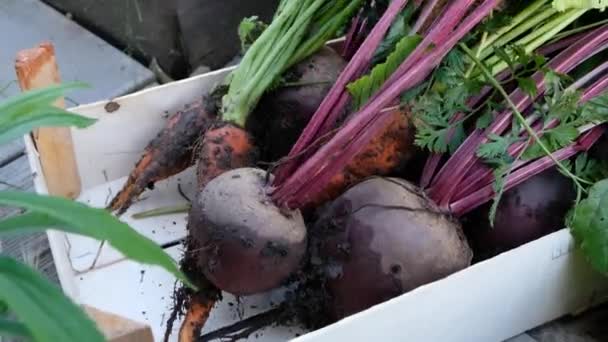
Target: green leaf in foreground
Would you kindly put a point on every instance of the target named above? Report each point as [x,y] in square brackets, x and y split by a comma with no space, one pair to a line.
[13,328]
[588,222]
[32,109]
[77,218]
[42,307]
[366,86]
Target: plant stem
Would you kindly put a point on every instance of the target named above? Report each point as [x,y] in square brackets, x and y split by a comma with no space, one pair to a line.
[337,98]
[478,52]
[518,19]
[457,167]
[470,202]
[518,30]
[578,30]
[299,29]
[488,74]
[537,38]
[313,175]
[183,208]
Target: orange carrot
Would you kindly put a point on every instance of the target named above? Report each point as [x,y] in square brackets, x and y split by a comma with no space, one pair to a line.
[387,153]
[169,153]
[196,317]
[224,147]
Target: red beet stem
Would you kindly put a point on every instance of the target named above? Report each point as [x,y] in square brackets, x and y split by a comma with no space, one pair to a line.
[519,176]
[425,14]
[451,175]
[481,174]
[338,96]
[470,198]
[352,36]
[560,44]
[315,173]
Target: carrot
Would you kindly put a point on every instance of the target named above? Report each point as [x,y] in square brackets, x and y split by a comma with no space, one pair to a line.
[169,153]
[195,319]
[197,305]
[385,154]
[224,147]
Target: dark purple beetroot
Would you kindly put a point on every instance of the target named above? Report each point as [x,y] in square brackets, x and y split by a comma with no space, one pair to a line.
[247,245]
[600,148]
[282,114]
[525,213]
[382,238]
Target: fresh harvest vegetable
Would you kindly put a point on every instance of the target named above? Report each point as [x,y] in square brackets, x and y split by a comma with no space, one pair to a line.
[299,29]
[386,154]
[495,113]
[251,247]
[169,153]
[381,239]
[224,147]
[531,210]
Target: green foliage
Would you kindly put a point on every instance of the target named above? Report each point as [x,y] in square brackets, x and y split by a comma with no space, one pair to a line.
[365,87]
[42,308]
[436,129]
[553,139]
[13,328]
[496,149]
[588,222]
[500,172]
[565,106]
[300,29]
[484,120]
[32,109]
[589,169]
[77,218]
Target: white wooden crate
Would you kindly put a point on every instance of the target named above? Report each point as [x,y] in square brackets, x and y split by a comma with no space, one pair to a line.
[490,301]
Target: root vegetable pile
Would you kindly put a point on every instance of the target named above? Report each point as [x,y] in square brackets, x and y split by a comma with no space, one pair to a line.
[301,164]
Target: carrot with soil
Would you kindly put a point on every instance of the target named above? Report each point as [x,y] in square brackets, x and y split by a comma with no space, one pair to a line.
[169,153]
[284,110]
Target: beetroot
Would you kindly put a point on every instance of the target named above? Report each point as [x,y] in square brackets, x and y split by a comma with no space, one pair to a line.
[600,149]
[283,113]
[525,213]
[382,238]
[247,245]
